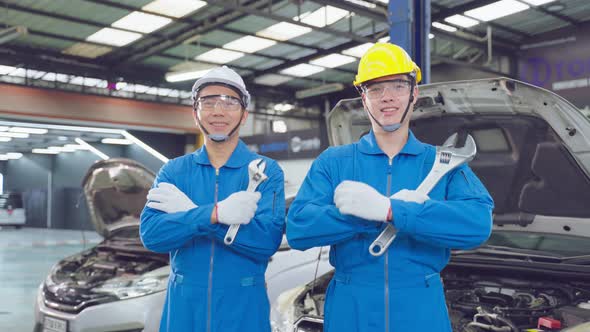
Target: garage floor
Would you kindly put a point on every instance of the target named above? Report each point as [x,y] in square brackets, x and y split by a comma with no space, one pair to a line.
[26,255]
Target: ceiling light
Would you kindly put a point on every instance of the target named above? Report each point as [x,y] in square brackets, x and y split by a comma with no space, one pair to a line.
[279,126]
[496,10]
[44,151]
[4,128]
[462,21]
[75,146]
[113,37]
[185,76]
[174,8]
[91,148]
[324,16]
[249,44]
[302,70]
[219,55]
[537,2]
[87,50]
[39,131]
[444,27]
[5,139]
[430,36]
[359,50]
[14,155]
[118,141]
[283,31]
[2,157]
[333,60]
[141,22]
[14,135]
[272,79]
[283,107]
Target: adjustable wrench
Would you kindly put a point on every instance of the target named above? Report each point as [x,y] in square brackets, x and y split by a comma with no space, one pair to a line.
[256,176]
[448,157]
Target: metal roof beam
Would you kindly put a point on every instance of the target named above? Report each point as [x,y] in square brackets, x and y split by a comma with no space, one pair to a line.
[375,15]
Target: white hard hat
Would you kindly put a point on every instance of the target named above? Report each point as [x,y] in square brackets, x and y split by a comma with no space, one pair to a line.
[223,76]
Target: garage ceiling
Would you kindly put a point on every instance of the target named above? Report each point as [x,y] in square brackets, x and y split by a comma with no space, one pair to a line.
[278,46]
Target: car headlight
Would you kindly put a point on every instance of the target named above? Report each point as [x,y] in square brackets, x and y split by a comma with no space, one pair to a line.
[282,314]
[127,288]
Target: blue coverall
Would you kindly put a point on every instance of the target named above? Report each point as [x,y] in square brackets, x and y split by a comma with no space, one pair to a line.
[214,287]
[400,291]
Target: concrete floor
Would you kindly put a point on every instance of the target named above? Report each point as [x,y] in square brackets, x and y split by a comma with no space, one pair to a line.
[26,255]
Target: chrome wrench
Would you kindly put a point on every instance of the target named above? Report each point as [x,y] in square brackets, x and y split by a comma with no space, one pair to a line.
[448,157]
[256,176]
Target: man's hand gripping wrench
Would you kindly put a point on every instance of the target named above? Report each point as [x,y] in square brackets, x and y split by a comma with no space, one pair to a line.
[448,157]
[256,176]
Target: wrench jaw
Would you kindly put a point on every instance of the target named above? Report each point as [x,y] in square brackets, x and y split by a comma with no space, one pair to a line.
[255,177]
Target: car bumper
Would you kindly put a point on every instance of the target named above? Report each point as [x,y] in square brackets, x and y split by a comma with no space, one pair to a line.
[137,314]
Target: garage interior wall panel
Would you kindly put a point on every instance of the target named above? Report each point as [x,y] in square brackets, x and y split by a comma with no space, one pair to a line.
[51,104]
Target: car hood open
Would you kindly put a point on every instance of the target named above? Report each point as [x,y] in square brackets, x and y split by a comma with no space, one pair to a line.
[533,146]
[116,191]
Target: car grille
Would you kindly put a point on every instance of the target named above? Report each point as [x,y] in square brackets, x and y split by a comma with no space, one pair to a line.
[73,303]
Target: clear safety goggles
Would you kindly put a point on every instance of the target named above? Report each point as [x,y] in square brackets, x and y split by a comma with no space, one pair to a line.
[224,102]
[397,87]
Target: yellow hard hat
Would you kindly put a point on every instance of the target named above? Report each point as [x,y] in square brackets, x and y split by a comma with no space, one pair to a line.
[384,59]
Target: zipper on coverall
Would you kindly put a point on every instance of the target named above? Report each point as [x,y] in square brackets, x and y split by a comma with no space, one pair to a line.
[386,288]
[210,285]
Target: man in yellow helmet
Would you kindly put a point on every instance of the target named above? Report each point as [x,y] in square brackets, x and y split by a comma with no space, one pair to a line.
[345,202]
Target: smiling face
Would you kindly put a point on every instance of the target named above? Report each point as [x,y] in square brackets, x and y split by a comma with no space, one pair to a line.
[218,115]
[387,98]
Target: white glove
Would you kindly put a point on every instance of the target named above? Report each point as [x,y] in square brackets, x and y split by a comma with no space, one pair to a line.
[238,208]
[361,200]
[410,196]
[166,197]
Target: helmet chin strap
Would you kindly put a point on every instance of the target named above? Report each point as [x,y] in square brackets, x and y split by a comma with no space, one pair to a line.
[393,127]
[219,138]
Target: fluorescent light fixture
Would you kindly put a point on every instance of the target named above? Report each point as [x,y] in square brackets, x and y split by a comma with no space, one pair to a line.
[283,107]
[14,155]
[60,149]
[272,79]
[146,147]
[444,27]
[4,70]
[14,135]
[279,126]
[537,2]
[75,147]
[283,31]
[185,76]
[430,36]
[174,8]
[44,151]
[39,131]
[324,16]
[461,21]
[333,60]
[10,33]
[5,139]
[91,148]
[2,157]
[358,51]
[141,22]
[119,141]
[249,44]
[87,50]
[302,70]
[114,37]
[496,10]
[4,128]
[219,55]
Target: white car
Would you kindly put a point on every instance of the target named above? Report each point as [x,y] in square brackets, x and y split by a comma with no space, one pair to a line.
[118,285]
[12,212]
[534,158]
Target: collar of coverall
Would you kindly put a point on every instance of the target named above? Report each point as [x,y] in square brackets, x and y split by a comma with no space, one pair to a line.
[240,157]
[368,145]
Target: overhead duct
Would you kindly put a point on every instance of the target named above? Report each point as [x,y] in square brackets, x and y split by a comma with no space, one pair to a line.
[319,90]
[11,33]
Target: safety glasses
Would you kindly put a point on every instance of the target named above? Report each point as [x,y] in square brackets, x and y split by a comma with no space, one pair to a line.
[224,102]
[397,87]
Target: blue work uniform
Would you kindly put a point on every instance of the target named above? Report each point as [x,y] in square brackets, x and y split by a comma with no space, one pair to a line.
[214,287]
[400,291]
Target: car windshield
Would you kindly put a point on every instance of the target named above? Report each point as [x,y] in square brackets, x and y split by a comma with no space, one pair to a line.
[563,245]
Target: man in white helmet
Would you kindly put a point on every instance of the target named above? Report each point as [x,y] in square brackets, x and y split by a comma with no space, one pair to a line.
[195,198]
